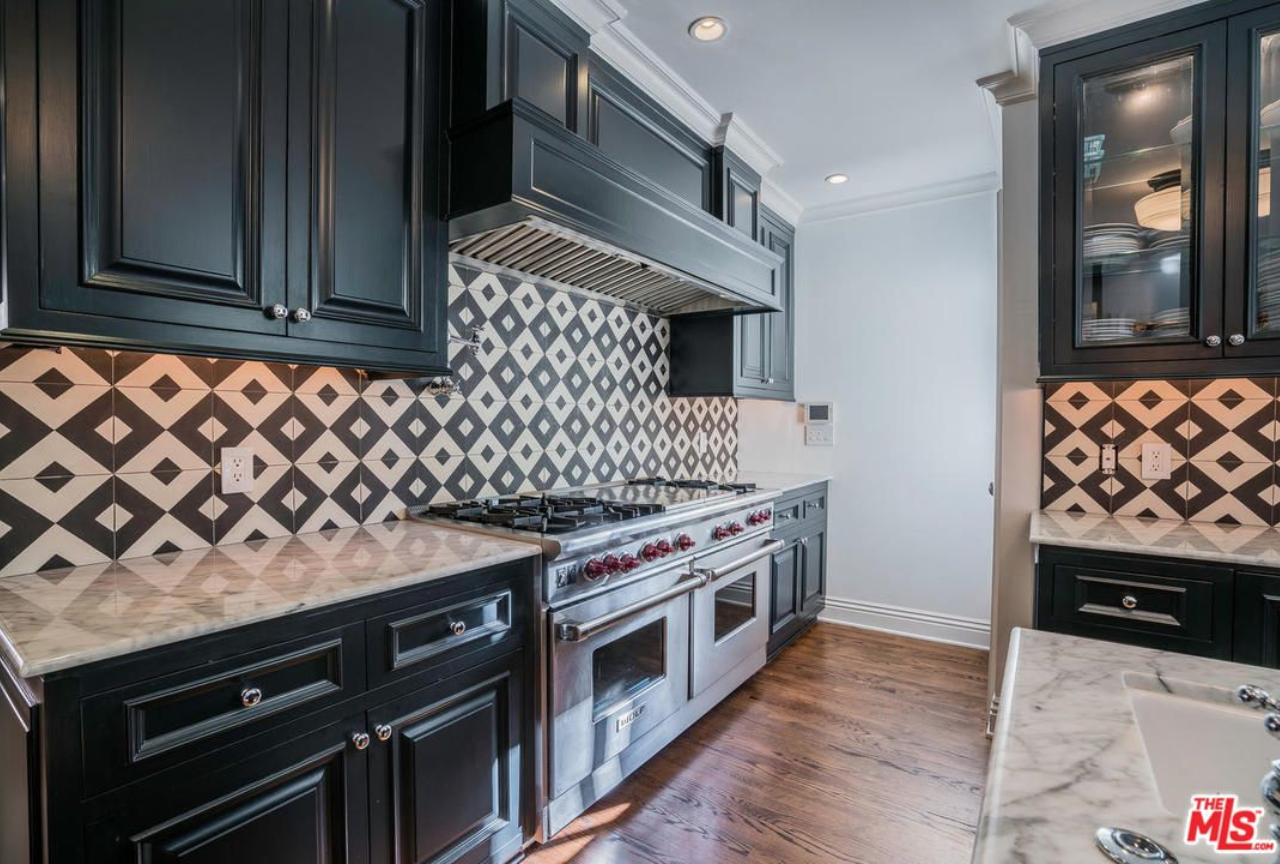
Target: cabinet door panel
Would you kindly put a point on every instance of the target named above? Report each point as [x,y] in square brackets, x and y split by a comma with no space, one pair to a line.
[1134,254]
[167,201]
[446,783]
[303,803]
[781,325]
[1257,619]
[787,567]
[368,260]
[815,572]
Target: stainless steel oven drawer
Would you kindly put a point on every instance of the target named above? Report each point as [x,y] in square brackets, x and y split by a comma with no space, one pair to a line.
[731,614]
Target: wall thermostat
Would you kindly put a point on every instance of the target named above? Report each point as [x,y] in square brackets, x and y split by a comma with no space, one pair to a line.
[819,424]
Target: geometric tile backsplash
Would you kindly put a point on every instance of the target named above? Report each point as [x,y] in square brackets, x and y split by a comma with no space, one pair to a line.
[1222,434]
[110,455]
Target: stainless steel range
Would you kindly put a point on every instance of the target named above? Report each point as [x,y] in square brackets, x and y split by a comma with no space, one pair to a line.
[655,607]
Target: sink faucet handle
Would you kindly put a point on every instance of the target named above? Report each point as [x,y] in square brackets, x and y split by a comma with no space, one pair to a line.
[1255,697]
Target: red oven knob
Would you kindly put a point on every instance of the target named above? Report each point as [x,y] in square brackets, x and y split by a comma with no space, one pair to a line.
[766,515]
[665,548]
[629,563]
[757,518]
[736,528]
[721,532]
[650,552]
[594,569]
[612,564]
[685,542]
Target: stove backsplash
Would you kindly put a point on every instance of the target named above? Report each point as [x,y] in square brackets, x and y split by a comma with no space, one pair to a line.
[1222,433]
[115,455]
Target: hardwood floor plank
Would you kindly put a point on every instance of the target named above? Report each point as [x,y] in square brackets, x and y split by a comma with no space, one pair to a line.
[852,746]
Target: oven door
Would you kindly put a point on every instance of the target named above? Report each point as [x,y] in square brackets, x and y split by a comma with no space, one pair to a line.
[620,666]
[730,615]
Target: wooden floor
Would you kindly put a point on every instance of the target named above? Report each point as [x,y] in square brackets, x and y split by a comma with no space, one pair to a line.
[851,746]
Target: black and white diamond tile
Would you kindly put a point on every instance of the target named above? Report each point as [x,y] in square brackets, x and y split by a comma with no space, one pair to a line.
[115,454]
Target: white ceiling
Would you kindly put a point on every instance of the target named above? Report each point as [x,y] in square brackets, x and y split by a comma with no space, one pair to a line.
[880,90]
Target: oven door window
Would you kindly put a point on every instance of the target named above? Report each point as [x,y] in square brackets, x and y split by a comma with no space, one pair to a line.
[735,606]
[628,666]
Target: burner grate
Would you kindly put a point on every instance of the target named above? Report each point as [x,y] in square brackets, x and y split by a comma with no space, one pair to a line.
[546,514]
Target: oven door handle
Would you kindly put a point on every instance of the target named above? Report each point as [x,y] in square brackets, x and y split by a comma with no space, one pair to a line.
[573,631]
[714,574]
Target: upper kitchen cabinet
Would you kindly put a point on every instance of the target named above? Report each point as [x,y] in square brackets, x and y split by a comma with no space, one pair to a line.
[747,356]
[737,192]
[209,178]
[1159,255]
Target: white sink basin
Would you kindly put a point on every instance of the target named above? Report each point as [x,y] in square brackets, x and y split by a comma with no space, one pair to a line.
[1199,741]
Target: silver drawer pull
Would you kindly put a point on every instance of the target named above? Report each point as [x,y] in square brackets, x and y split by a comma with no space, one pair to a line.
[1129,601]
[250,696]
[360,740]
[457,628]
[383,732]
[711,574]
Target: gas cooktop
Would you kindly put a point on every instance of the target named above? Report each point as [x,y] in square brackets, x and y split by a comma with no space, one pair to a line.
[587,508]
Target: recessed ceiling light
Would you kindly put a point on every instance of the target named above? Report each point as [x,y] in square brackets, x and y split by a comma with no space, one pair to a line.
[837,179]
[708,28]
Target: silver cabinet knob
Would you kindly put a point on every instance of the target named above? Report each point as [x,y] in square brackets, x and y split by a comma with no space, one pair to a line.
[302,316]
[458,627]
[278,311]
[1213,341]
[383,732]
[250,696]
[360,739]
[1236,339]
[1129,601]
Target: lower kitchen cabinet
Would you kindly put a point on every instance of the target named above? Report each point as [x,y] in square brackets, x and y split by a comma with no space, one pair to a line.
[1192,607]
[280,749]
[799,573]
[446,768]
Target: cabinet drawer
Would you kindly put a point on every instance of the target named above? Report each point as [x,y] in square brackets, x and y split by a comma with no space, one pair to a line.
[144,727]
[428,636]
[1156,604]
[815,505]
[788,513]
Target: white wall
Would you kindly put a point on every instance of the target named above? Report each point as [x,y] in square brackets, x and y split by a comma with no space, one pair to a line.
[896,324]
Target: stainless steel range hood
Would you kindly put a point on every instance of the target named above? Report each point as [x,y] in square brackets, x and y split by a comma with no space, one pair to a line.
[529,197]
[571,260]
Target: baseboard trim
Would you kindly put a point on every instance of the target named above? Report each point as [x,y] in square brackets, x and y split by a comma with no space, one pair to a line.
[916,623]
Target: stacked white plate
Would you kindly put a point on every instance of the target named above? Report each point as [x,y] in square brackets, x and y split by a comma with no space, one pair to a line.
[1172,322]
[1170,240]
[1269,290]
[1111,238]
[1107,329]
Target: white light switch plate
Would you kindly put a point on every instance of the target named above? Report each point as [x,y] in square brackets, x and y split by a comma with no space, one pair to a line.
[1156,461]
[819,436]
[237,470]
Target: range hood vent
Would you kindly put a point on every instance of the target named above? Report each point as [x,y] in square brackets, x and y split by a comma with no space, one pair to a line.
[561,256]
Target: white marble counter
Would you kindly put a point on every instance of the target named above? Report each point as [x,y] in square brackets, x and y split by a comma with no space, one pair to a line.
[1205,541]
[779,481]
[1068,757]
[64,618]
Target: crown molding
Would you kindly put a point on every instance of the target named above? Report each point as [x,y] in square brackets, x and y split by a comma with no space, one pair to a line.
[1032,31]
[779,201]
[616,43]
[948,190]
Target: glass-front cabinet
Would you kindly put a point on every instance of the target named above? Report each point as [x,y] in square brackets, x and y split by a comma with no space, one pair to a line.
[1136,228]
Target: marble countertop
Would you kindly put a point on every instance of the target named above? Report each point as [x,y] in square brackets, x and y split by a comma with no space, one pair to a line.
[60,619]
[780,481]
[1068,756]
[1206,541]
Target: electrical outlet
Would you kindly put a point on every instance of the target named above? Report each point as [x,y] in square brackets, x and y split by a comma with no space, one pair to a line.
[700,443]
[237,470]
[1156,461]
[1108,459]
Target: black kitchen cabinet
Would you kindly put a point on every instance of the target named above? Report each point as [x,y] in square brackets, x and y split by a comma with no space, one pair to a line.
[447,784]
[301,740]
[1257,619]
[747,356]
[207,178]
[799,574]
[1159,252]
